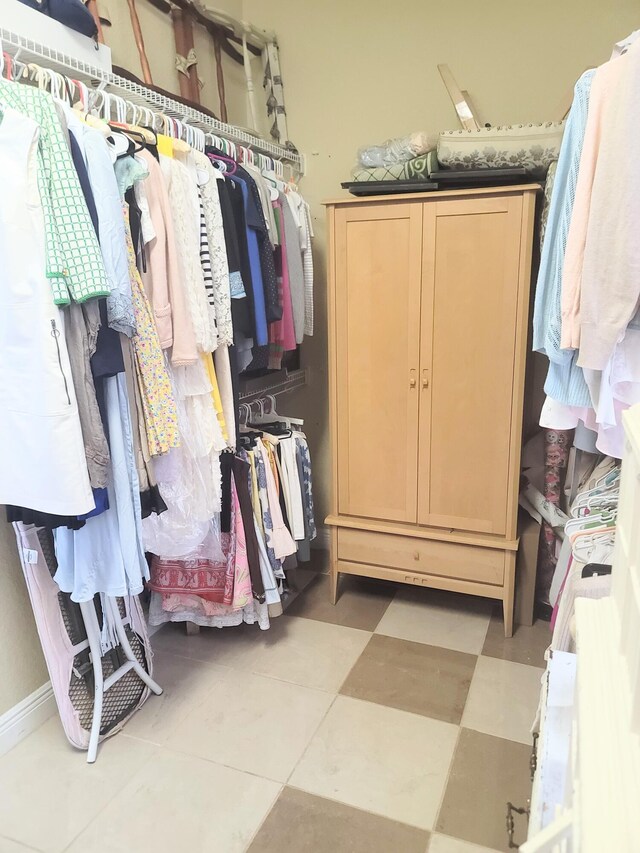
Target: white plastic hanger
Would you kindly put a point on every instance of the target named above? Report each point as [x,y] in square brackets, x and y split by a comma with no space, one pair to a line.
[623,46]
[272,415]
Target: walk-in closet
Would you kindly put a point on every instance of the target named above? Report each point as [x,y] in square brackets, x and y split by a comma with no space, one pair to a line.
[319,427]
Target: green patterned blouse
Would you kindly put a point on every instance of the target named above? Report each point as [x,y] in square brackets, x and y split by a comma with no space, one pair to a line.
[74,262]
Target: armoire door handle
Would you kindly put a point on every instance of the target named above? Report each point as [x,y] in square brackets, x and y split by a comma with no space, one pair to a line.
[425,378]
[412,378]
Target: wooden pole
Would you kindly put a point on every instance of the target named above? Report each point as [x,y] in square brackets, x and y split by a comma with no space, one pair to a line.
[137,32]
[92,6]
[220,75]
[183,34]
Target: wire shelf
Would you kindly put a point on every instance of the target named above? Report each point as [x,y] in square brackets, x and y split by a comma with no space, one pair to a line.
[293,380]
[29,50]
[141,96]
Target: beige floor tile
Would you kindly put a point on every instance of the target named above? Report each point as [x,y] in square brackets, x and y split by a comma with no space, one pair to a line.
[446,844]
[9,846]
[179,803]
[48,794]
[253,723]
[487,772]
[185,683]
[380,759]
[527,645]
[361,604]
[302,823]
[503,699]
[414,677]
[302,651]
[438,618]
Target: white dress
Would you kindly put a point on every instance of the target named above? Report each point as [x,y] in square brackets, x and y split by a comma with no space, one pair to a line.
[42,461]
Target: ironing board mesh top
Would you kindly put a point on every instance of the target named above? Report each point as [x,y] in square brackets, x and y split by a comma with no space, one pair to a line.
[120,700]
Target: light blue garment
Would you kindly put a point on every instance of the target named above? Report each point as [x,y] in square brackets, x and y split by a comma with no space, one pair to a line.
[565,381]
[111,231]
[107,555]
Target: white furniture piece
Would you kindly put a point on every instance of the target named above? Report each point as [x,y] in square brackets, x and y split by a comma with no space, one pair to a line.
[598,810]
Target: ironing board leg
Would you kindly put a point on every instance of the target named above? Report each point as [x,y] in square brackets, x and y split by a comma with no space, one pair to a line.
[139,670]
[93,636]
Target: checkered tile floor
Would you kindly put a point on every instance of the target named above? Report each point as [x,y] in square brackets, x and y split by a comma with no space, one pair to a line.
[395,722]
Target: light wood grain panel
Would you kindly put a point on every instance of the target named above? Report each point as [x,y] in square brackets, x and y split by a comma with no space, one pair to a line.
[441,534]
[475,296]
[447,559]
[520,363]
[377,320]
[386,573]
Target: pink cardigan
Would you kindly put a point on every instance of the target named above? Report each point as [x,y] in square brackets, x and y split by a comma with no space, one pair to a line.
[161,279]
[611,268]
[604,83]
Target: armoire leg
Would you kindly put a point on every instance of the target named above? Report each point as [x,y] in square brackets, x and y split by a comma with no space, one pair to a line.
[334,577]
[508,602]
[192,629]
[334,574]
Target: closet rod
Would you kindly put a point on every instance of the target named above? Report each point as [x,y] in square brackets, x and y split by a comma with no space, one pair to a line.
[28,50]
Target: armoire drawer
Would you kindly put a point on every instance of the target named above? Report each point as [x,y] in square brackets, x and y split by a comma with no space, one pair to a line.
[446,559]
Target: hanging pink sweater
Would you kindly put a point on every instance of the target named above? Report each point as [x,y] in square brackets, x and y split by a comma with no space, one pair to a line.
[605,90]
[161,279]
[611,269]
[282,332]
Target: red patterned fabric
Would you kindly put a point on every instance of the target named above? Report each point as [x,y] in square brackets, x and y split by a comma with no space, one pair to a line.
[557,444]
[210,580]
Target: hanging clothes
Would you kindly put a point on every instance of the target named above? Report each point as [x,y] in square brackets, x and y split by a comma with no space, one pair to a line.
[42,461]
[131,430]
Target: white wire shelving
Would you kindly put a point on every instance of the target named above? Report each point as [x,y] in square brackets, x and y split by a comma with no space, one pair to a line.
[28,50]
[255,389]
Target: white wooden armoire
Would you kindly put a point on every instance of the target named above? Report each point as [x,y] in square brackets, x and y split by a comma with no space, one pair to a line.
[428,307]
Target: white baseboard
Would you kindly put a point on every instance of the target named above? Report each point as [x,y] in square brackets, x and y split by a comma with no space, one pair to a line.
[25,717]
[321,542]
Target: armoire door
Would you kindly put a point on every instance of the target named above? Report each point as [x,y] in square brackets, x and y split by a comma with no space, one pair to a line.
[471,260]
[378,253]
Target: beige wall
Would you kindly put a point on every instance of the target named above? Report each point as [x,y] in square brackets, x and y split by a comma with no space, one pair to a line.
[358,72]
[22,667]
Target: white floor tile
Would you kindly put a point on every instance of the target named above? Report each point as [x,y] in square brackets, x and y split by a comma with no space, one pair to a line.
[446,844]
[302,651]
[503,699]
[253,723]
[179,803]
[9,846]
[185,683]
[48,794]
[380,759]
[438,619]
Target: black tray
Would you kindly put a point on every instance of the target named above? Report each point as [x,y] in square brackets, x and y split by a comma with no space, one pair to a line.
[361,188]
[481,177]
[442,179]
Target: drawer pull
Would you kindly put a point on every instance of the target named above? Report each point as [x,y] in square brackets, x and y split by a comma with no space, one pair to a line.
[533,761]
[416,555]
